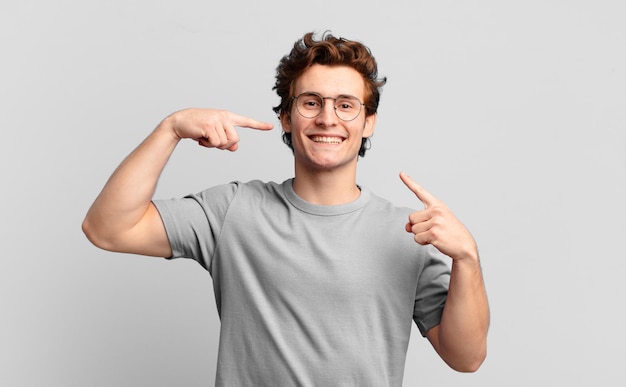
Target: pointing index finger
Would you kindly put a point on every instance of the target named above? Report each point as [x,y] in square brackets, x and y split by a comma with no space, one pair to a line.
[423,195]
[246,122]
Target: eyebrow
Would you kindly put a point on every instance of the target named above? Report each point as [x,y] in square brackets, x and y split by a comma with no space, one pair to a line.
[328,96]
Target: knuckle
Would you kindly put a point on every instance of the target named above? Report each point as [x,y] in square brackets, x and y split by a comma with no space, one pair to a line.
[438,210]
[421,240]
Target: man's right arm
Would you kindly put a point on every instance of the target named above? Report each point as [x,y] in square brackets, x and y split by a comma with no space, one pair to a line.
[123,218]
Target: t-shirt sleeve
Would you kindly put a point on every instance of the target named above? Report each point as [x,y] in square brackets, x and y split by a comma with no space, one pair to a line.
[193,223]
[432,290]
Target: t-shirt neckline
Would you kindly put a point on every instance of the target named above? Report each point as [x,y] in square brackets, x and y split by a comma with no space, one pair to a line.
[316,209]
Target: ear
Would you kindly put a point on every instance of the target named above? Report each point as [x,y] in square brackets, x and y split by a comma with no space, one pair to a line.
[370,123]
[285,122]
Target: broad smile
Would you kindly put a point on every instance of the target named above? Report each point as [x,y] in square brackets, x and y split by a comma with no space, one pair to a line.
[326,139]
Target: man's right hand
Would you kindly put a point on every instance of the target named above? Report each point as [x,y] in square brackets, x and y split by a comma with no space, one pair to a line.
[123,217]
[211,128]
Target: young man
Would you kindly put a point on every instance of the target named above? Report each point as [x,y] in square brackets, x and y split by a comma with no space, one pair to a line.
[316,279]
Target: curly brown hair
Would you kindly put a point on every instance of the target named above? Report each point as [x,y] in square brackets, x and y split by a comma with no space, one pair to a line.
[332,51]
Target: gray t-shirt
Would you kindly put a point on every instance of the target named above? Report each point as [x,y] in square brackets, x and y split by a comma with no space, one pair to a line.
[308,295]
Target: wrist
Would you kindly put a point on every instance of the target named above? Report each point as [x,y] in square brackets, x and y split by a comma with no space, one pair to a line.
[167,127]
[468,255]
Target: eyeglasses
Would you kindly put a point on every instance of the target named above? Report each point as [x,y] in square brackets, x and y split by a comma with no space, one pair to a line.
[310,105]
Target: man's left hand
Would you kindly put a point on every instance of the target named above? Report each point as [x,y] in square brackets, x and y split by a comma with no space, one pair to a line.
[436,225]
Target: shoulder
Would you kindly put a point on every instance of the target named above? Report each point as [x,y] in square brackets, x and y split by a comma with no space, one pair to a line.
[254,196]
[386,208]
[257,188]
[239,188]
[258,185]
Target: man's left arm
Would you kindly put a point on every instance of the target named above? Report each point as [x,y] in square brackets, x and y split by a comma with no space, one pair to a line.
[461,336]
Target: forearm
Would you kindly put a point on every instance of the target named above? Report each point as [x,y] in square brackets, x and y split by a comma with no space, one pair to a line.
[462,333]
[127,194]
[461,336]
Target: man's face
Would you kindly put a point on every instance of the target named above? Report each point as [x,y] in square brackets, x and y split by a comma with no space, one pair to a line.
[325,142]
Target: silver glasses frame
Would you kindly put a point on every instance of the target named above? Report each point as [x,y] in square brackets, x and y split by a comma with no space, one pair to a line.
[323,99]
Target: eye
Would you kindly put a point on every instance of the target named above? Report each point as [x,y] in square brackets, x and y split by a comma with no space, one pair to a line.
[346,103]
[310,101]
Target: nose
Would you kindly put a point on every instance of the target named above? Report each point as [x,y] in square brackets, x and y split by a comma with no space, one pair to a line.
[327,116]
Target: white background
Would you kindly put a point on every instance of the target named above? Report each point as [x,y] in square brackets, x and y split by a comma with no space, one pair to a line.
[513,113]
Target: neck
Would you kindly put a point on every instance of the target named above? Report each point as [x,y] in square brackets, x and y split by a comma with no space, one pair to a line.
[326,188]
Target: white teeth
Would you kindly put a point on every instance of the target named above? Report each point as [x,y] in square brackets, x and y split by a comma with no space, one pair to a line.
[327,140]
